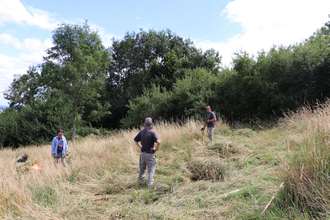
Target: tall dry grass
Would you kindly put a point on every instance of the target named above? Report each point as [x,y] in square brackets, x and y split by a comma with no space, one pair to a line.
[307,180]
[96,167]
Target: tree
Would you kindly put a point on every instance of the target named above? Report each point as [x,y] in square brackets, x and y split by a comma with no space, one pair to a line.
[146,58]
[36,122]
[76,65]
[24,89]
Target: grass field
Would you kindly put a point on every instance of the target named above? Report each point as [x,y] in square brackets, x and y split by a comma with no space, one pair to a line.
[234,177]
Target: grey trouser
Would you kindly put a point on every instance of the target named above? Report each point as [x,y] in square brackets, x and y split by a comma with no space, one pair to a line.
[150,161]
[210,131]
[57,157]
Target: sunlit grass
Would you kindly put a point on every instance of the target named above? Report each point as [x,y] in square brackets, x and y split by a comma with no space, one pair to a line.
[232,177]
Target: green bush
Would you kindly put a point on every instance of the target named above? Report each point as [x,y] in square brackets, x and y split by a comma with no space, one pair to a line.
[36,123]
[188,98]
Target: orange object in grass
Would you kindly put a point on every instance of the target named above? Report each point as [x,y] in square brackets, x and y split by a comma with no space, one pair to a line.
[36,167]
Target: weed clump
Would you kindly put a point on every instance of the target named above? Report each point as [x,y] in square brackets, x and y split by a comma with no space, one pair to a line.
[225,148]
[202,169]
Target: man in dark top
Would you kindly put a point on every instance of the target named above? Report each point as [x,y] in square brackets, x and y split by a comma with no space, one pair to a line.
[147,158]
[23,159]
[210,119]
[59,147]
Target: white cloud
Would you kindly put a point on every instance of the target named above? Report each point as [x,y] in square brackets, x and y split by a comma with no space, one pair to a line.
[33,52]
[31,44]
[11,66]
[268,23]
[105,36]
[14,11]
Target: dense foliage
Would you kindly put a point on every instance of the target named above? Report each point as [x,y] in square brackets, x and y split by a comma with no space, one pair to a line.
[36,122]
[147,58]
[275,81]
[157,74]
[188,97]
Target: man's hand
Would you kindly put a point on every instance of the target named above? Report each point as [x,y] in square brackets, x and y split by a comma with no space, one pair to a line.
[212,120]
[54,155]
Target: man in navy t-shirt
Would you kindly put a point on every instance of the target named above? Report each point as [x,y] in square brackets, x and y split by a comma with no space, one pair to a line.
[147,158]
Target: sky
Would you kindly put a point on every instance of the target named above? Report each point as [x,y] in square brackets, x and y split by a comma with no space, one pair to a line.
[227,26]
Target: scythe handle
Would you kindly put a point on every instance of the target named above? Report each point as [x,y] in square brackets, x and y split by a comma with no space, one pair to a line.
[66,155]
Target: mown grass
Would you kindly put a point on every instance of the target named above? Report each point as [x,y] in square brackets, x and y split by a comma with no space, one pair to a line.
[233,177]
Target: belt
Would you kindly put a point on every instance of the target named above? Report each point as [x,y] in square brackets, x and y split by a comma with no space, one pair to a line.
[147,152]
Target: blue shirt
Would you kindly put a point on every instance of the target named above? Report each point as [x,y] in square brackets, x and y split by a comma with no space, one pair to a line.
[147,138]
[209,117]
[55,146]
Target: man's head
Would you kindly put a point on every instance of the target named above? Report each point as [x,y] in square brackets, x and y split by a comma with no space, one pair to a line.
[24,157]
[208,109]
[148,124]
[59,133]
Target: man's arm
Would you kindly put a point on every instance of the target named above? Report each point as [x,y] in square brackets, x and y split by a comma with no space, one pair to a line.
[53,147]
[212,120]
[157,145]
[137,143]
[65,146]
[137,139]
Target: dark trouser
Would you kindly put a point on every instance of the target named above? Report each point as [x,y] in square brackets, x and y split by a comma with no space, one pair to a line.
[150,161]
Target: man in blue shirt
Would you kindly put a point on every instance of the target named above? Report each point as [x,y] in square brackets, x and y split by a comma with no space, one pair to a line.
[210,120]
[147,158]
[59,147]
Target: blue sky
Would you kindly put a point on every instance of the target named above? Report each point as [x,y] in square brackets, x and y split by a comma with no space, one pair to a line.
[227,26]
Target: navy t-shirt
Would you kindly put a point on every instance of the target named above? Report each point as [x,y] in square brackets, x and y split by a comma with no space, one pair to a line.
[60,146]
[209,117]
[147,138]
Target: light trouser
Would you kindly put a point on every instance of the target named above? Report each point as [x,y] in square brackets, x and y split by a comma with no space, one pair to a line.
[210,131]
[150,161]
[57,157]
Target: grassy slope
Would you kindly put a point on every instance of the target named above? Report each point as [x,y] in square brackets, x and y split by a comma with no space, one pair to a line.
[191,180]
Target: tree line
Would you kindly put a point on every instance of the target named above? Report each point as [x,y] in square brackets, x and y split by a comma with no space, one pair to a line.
[83,87]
